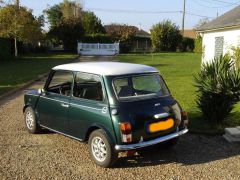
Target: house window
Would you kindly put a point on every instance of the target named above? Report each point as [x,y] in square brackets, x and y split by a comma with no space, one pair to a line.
[219,46]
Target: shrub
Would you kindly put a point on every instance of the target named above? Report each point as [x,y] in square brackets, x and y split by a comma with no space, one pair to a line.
[198,44]
[186,45]
[236,55]
[165,36]
[218,87]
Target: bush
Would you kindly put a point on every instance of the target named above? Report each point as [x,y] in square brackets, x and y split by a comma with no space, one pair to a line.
[5,49]
[218,86]
[187,45]
[165,36]
[198,45]
[236,55]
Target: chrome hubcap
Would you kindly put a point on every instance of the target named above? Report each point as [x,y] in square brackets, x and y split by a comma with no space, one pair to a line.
[99,149]
[29,120]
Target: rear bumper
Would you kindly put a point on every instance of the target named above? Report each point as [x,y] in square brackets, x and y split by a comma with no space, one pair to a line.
[151,142]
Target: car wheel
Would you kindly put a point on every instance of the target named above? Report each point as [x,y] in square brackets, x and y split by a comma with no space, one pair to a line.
[101,149]
[30,121]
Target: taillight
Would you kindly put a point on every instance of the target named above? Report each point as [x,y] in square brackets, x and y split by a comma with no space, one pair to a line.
[126,132]
[185,118]
[184,115]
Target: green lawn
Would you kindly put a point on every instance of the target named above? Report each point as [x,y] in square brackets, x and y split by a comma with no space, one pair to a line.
[178,70]
[14,73]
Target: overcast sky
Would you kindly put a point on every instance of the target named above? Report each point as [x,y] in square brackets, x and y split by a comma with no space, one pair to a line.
[144,13]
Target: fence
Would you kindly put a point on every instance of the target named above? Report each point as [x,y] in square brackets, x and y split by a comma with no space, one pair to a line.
[98,49]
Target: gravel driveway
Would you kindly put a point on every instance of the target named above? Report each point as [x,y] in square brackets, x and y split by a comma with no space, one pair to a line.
[49,155]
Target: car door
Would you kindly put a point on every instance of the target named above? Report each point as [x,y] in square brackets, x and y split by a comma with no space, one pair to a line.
[88,105]
[54,102]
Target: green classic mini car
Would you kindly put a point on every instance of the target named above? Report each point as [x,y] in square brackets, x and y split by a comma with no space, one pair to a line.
[113,106]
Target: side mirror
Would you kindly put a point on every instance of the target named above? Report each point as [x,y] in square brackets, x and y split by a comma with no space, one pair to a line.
[42,91]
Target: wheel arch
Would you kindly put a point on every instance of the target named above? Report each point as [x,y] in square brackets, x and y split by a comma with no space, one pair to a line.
[26,106]
[96,127]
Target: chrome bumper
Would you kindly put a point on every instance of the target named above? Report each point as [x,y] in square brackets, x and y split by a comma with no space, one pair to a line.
[151,142]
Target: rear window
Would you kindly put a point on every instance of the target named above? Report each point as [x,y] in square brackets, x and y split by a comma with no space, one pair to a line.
[140,86]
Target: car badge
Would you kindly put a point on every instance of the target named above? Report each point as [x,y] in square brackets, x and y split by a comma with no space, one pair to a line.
[104,110]
[157,104]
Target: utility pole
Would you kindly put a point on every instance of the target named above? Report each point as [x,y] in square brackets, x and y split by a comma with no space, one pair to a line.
[17,4]
[183,18]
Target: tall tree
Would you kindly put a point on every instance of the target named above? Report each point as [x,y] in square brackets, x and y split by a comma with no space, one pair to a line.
[19,24]
[92,24]
[71,10]
[66,10]
[54,15]
[68,32]
[66,23]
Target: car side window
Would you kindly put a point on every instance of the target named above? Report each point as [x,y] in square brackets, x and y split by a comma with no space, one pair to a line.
[61,83]
[88,86]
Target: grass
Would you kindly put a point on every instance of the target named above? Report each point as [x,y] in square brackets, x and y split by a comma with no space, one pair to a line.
[14,73]
[178,70]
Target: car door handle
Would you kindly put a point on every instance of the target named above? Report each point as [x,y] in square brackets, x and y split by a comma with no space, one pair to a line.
[65,105]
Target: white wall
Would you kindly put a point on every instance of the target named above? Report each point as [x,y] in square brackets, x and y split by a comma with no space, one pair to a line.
[231,38]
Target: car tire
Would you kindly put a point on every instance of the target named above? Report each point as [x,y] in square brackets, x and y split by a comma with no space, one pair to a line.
[31,124]
[101,149]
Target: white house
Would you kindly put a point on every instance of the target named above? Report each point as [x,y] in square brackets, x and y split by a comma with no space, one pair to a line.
[220,35]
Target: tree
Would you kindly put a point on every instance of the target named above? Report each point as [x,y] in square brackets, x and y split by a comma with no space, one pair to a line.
[92,24]
[165,36]
[69,23]
[20,24]
[71,10]
[68,32]
[123,34]
[54,15]
[66,10]
[66,24]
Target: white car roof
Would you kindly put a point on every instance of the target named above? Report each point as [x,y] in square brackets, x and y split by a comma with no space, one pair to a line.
[107,68]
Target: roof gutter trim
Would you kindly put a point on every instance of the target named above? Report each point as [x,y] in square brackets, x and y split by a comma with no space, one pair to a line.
[217,29]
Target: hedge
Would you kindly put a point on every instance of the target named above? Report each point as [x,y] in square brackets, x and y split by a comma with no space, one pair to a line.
[5,49]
